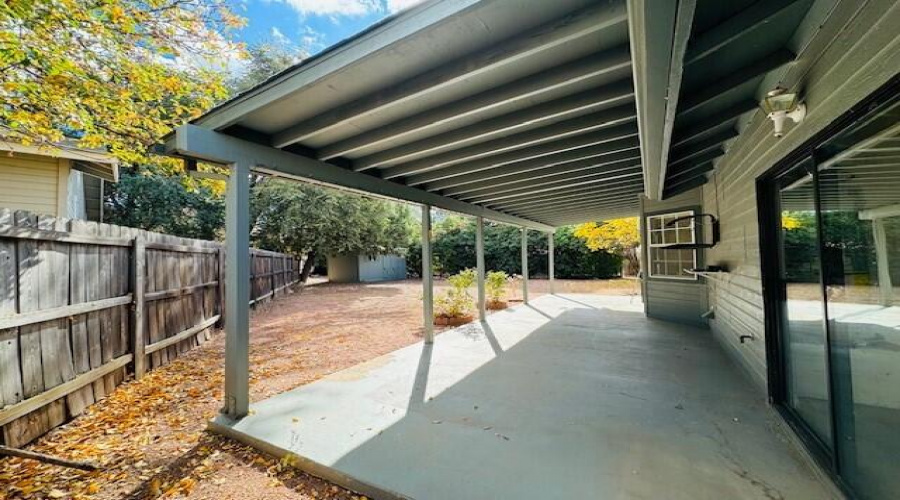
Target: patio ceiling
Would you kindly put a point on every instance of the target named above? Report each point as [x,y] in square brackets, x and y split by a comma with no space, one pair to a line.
[516,110]
[706,65]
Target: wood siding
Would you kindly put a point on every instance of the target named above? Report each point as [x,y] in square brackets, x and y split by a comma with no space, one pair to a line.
[30,182]
[841,61]
[681,301]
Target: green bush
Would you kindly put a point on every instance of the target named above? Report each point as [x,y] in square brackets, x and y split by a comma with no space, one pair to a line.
[456,301]
[453,249]
[495,285]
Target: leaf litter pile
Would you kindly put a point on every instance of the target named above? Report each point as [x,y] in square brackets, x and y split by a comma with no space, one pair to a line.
[149,436]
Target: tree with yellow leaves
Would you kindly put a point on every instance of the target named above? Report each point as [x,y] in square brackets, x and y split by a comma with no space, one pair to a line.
[113,74]
[617,236]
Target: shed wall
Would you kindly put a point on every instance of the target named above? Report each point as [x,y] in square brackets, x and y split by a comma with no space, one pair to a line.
[381,268]
[343,269]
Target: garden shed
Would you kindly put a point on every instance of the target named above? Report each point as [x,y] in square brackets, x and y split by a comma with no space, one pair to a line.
[365,268]
[741,133]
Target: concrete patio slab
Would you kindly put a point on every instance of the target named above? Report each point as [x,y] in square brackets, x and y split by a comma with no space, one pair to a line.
[571,397]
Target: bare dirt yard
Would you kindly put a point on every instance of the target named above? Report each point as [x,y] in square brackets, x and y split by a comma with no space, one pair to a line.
[149,436]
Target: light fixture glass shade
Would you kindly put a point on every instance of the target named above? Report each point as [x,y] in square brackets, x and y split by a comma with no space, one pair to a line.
[777,100]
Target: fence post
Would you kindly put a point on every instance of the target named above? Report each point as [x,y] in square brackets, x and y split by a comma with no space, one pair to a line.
[220,277]
[272,273]
[140,271]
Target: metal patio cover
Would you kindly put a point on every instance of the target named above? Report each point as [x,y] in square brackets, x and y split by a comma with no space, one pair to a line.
[522,111]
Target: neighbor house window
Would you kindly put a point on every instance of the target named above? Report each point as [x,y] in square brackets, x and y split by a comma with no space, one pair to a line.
[665,231]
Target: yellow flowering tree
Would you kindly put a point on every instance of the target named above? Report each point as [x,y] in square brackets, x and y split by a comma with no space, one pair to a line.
[617,236]
[114,74]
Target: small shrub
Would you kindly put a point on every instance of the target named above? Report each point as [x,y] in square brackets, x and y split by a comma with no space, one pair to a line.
[495,286]
[456,302]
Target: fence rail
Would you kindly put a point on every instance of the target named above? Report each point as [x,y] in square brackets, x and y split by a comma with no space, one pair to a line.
[82,305]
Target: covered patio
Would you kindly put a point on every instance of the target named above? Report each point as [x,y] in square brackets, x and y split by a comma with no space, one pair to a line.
[535,114]
[576,396]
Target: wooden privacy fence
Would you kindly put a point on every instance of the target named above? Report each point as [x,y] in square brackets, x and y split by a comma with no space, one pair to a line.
[84,304]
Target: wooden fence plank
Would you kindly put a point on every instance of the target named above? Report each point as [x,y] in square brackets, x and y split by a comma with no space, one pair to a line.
[10,413]
[81,398]
[67,332]
[10,370]
[63,312]
[139,273]
[30,426]
[92,293]
[108,331]
[181,336]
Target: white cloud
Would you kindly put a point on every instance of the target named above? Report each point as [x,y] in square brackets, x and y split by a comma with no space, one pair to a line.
[335,7]
[279,37]
[395,5]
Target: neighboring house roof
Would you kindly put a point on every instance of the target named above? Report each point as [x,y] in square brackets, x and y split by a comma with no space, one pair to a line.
[91,162]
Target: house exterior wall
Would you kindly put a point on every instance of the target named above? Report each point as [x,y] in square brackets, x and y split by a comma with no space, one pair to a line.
[854,52]
[35,183]
[678,300]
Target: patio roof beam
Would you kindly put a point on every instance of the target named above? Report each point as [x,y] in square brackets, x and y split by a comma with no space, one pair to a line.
[587,130]
[703,96]
[550,215]
[612,62]
[618,150]
[600,140]
[711,124]
[624,197]
[570,179]
[658,33]
[732,29]
[543,212]
[616,164]
[589,196]
[685,185]
[585,22]
[581,192]
[632,180]
[191,141]
[692,151]
[605,98]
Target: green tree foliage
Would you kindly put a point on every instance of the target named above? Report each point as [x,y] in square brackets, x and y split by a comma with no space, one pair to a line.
[116,74]
[312,221]
[164,202]
[265,60]
[453,247]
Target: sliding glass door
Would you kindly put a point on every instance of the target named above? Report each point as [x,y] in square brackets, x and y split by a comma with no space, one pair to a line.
[838,259]
[802,306]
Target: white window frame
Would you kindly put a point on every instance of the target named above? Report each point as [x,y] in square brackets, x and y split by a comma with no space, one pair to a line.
[662,245]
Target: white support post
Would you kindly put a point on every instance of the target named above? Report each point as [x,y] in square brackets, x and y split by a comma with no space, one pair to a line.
[479,264]
[881,259]
[525,265]
[237,298]
[551,250]
[427,277]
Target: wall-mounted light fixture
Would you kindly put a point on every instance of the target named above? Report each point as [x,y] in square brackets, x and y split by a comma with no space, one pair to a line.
[781,105]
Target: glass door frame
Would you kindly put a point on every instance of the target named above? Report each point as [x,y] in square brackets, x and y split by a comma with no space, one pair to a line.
[775,297]
[769,216]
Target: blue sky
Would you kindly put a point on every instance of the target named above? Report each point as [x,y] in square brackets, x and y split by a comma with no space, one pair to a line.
[310,25]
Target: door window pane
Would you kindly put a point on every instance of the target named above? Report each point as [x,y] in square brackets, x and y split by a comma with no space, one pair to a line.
[860,204]
[803,309]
